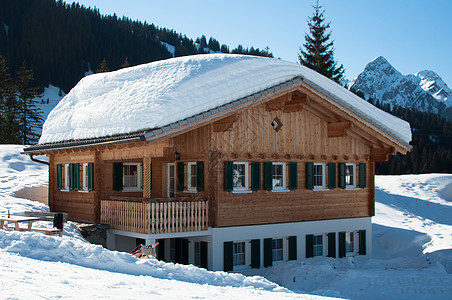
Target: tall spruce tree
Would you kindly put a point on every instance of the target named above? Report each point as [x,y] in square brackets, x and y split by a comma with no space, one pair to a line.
[29,114]
[9,125]
[319,50]
[103,67]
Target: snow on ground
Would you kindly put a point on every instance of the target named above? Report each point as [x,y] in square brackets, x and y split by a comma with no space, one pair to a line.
[412,254]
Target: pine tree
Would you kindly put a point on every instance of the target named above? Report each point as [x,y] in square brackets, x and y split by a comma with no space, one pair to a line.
[319,51]
[9,125]
[103,67]
[29,114]
[125,64]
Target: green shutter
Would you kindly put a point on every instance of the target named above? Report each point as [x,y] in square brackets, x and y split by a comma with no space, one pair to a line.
[268,182]
[203,254]
[292,247]
[293,175]
[180,176]
[341,244]
[71,176]
[228,263]
[362,242]
[342,175]
[59,178]
[90,176]
[332,244]
[76,170]
[117,176]
[255,254]
[309,245]
[228,185]
[331,176]
[362,175]
[199,176]
[268,258]
[310,175]
[255,176]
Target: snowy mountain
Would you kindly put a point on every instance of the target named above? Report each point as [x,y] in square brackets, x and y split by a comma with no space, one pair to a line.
[424,91]
[435,86]
[411,253]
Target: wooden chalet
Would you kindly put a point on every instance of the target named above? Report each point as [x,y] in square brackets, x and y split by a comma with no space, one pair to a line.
[282,173]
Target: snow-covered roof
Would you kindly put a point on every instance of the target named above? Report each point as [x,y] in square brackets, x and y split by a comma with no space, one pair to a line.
[160,93]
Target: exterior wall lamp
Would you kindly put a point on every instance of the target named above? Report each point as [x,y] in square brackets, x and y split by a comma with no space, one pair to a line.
[177,155]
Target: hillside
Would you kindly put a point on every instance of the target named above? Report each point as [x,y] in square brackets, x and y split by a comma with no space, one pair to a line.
[411,254]
[62,42]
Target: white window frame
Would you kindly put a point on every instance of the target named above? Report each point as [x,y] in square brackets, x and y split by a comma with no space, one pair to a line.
[191,188]
[237,254]
[350,241]
[279,250]
[66,177]
[136,188]
[85,177]
[245,188]
[353,176]
[284,180]
[317,248]
[323,186]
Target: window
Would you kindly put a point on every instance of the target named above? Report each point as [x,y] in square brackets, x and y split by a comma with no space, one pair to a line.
[66,177]
[131,176]
[350,175]
[277,249]
[278,176]
[240,176]
[319,176]
[349,241]
[239,254]
[87,170]
[317,244]
[198,254]
[192,177]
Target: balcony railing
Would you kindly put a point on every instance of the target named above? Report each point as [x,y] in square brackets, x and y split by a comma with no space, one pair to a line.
[155,215]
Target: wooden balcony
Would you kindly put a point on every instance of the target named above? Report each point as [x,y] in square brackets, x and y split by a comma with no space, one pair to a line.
[155,215]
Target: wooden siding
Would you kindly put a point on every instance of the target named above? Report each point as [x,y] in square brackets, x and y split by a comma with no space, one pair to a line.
[311,131]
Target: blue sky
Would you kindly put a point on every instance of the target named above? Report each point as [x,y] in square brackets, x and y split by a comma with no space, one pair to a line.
[413,35]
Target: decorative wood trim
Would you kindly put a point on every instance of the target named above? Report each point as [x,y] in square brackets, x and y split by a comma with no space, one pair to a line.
[381,154]
[224,124]
[338,129]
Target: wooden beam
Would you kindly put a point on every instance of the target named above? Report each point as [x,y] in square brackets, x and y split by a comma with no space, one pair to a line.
[381,154]
[338,129]
[295,102]
[224,124]
[277,103]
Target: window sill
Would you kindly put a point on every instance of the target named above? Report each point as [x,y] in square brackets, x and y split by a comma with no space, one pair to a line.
[320,189]
[242,191]
[65,190]
[351,188]
[190,191]
[240,268]
[131,190]
[84,191]
[280,190]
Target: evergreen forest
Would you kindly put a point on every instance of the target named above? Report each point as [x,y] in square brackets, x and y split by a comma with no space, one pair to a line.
[61,42]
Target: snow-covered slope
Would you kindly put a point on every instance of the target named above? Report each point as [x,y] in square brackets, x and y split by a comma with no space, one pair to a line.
[425,91]
[412,254]
[162,92]
[48,100]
